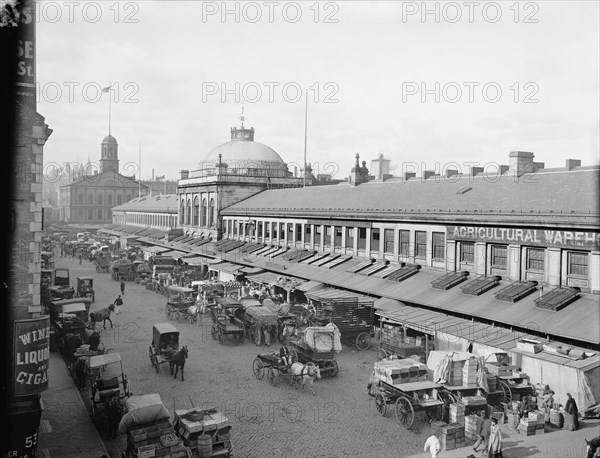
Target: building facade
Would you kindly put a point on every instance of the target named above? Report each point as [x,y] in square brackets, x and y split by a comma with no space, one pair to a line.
[154,212]
[90,200]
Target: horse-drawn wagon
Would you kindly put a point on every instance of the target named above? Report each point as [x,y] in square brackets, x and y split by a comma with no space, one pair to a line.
[276,369]
[256,319]
[108,384]
[352,314]
[165,341]
[102,262]
[507,383]
[121,269]
[226,320]
[68,318]
[318,345]
[181,304]
[85,288]
[404,383]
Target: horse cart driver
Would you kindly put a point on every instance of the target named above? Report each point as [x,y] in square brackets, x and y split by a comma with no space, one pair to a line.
[284,354]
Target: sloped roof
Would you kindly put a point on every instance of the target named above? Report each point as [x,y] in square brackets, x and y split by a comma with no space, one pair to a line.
[163,203]
[533,197]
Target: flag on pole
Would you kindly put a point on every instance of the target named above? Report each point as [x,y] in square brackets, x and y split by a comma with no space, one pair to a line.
[106,89]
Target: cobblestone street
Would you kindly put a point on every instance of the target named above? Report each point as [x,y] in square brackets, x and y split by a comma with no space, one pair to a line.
[267,421]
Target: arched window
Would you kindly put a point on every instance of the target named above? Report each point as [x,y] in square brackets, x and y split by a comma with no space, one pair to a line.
[182,212]
[90,213]
[100,214]
[128,198]
[80,199]
[109,199]
[211,213]
[119,199]
[203,213]
[196,210]
[100,199]
[188,212]
[90,200]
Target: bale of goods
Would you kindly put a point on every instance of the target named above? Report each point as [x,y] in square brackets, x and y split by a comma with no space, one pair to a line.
[457,413]
[472,401]
[399,371]
[527,427]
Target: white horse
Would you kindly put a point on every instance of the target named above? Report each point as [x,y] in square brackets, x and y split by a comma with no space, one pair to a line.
[305,374]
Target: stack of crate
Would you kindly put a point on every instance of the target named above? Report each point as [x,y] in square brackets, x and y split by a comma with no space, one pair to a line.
[527,426]
[556,418]
[455,375]
[213,426]
[475,401]
[157,439]
[469,374]
[393,335]
[399,371]
[437,425]
[540,418]
[471,427]
[452,436]
[457,413]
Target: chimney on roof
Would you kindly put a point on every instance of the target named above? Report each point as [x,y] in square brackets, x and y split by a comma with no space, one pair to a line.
[409,175]
[185,174]
[476,171]
[520,162]
[451,173]
[572,163]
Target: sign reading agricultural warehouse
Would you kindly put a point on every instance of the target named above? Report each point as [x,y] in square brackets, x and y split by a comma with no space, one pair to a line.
[537,237]
[32,353]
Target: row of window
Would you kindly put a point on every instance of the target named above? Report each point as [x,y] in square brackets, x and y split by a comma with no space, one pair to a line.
[100,199]
[199,214]
[147,220]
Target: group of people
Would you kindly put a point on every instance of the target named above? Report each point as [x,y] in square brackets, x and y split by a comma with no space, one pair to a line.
[489,438]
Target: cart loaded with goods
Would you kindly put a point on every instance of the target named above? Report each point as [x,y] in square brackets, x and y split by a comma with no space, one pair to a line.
[318,345]
[205,432]
[148,430]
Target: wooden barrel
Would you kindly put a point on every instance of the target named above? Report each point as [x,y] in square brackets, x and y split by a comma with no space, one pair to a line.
[204,446]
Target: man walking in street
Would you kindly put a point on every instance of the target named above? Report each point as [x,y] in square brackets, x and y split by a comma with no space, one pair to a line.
[122,288]
[433,444]
[118,303]
[483,425]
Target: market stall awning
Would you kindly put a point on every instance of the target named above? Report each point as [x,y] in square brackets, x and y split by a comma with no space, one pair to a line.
[265,277]
[310,286]
[225,267]
[195,260]
[334,293]
[156,249]
[174,254]
[251,270]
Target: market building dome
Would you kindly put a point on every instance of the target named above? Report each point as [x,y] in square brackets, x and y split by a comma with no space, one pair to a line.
[109,139]
[243,152]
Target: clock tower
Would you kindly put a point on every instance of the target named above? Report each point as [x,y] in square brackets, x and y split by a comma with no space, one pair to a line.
[109,158]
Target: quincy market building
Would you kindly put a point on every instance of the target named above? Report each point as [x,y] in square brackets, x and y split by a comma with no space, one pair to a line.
[461,259]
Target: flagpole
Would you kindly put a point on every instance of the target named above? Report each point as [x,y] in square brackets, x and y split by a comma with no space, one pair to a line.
[305,130]
[140,170]
[109,109]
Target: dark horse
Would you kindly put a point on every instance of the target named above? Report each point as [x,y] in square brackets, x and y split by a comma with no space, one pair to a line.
[177,360]
[102,315]
[593,446]
[115,411]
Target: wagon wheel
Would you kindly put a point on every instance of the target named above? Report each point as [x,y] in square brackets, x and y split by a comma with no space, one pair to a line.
[363,341]
[156,364]
[334,369]
[405,413]
[272,376]
[382,354]
[258,368]
[507,394]
[380,404]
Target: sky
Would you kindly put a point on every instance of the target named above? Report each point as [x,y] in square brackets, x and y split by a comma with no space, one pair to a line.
[423,83]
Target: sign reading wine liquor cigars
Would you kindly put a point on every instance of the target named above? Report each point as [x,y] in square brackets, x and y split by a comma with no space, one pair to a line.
[32,352]
[535,237]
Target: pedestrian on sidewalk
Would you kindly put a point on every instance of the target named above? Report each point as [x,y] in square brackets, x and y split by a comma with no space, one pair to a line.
[118,303]
[495,440]
[571,414]
[433,444]
[122,288]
